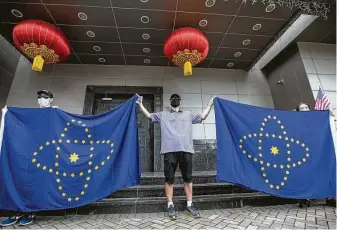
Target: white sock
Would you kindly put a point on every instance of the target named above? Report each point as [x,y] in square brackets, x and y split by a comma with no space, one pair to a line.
[189,203]
[169,203]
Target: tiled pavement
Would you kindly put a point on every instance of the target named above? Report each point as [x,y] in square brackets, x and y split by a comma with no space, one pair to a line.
[275,217]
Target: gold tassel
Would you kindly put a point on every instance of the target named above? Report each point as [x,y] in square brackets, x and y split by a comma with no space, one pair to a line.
[188,68]
[38,63]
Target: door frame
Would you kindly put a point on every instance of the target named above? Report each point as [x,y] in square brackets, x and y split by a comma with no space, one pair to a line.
[157,93]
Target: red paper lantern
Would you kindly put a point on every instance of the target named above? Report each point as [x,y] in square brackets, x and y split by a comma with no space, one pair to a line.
[40,41]
[186,47]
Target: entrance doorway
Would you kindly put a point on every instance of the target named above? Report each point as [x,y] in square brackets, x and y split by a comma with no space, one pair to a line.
[104,103]
[100,99]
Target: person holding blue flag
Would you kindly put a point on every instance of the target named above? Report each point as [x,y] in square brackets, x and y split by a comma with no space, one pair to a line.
[177,147]
[282,153]
[44,99]
[53,160]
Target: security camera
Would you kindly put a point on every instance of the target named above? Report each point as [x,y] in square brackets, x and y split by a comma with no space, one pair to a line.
[280,82]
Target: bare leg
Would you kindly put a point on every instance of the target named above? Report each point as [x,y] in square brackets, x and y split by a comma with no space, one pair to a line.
[188,188]
[169,192]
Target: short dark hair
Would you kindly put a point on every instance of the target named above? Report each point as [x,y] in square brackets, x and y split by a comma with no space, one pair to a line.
[45,92]
[302,103]
[175,96]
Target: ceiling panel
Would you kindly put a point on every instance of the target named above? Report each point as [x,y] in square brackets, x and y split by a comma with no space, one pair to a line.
[244,54]
[102,59]
[130,31]
[245,41]
[80,33]
[244,25]
[70,15]
[143,49]
[212,51]
[97,47]
[266,10]
[220,7]
[22,1]
[144,18]
[321,30]
[102,3]
[72,59]
[214,39]
[137,35]
[215,23]
[6,31]
[150,4]
[204,64]
[223,64]
[143,60]
[28,11]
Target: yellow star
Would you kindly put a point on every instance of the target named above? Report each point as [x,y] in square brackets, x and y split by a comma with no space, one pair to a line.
[73,157]
[274,150]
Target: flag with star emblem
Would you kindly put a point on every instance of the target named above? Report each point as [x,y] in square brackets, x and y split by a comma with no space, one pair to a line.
[283,153]
[51,159]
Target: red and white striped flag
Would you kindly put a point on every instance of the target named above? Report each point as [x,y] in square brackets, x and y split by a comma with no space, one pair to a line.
[322,102]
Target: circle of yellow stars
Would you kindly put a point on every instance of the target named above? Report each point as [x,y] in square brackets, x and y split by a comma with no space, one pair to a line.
[73,158]
[286,168]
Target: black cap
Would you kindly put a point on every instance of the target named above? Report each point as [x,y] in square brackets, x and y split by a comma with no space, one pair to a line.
[175,96]
[45,92]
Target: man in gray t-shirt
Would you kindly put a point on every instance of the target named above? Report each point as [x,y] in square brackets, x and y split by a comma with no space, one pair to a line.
[177,147]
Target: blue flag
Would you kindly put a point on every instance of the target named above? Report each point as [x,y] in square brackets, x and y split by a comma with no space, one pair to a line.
[287,154]
[52,160]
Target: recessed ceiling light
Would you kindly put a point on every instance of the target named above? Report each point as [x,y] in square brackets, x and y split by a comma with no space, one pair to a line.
[147,61]
[146,36]
[90,34]
[271,7]
[82,16]
[210,3]
[102,60]
[230,64]
[16,13]
[145,19]
[146,50]
[144,1]
[257,26]
[237,54]
[203,23]
[97,48]
[246,42]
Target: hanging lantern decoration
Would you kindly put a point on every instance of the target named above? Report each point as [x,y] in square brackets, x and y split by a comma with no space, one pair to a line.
[186,47]
[40,41]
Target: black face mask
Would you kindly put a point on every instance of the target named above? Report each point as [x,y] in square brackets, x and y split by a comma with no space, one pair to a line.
[175,102]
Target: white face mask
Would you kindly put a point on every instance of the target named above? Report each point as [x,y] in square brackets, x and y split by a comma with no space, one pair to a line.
[44,102]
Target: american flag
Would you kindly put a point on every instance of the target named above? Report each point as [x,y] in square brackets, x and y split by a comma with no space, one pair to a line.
[322,102]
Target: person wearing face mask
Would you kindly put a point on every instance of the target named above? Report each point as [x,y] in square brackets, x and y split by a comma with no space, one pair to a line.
[45,98]
[303,107]
[177,147]
[329,201]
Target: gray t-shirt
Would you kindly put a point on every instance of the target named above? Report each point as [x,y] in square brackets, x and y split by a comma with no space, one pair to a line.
[176,130]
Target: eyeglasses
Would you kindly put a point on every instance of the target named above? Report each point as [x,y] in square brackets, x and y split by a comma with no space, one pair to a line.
[45,97]
[175,98]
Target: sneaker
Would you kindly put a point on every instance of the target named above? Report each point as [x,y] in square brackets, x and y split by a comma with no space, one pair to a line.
[172,212]
[11,220]
[27,219]
[191,210]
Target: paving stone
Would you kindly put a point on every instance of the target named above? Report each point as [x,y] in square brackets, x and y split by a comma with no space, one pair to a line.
[275,217]
[299,224]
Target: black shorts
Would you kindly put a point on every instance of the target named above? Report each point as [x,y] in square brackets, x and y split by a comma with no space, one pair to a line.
[171,161]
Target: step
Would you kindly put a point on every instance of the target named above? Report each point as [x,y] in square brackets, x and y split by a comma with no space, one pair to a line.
[157,178]
[202,202]
[159,190]
[159,204]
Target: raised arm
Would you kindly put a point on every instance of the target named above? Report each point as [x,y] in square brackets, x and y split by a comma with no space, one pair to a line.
[208,109]
[143,109]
